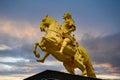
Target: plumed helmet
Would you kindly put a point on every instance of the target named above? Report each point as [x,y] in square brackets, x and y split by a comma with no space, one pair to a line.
[67,15]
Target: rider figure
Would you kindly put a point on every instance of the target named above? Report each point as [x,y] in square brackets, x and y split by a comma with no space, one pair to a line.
[68,26]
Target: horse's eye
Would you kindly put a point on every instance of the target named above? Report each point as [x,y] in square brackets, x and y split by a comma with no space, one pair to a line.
[43,20]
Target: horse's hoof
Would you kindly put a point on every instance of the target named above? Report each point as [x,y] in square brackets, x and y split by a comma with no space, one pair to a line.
[34,51]
[84,73]
[40,61]
[37,55]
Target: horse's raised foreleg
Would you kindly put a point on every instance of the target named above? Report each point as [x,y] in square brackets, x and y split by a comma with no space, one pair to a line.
[34,50]
[44,57]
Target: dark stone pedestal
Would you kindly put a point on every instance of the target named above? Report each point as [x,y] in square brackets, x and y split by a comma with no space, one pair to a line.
[56,75]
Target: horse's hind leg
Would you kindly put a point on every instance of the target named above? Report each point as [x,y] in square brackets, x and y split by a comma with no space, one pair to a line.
[83,72]
[69,68]
[89,69]
[81,66]
[34,50]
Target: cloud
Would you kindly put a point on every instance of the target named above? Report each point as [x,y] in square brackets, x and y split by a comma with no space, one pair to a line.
[13,60]
[4,47]
[108,77]
[52,63]
[19,59]
[17,37]
[16,45]
[105,68]
[19,29]
[10,78]
[104,52]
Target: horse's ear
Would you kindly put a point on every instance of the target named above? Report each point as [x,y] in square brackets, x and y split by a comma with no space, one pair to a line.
[46,15]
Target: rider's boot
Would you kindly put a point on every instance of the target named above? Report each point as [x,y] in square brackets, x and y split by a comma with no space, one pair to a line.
[65,41]
[61,50]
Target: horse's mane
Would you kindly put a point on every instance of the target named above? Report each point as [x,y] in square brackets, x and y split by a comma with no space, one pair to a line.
[47,21]
[51,19]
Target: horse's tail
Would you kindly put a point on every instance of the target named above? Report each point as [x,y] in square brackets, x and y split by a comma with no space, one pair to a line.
[87,62]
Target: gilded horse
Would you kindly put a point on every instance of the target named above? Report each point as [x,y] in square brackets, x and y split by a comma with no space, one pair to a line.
[73,56]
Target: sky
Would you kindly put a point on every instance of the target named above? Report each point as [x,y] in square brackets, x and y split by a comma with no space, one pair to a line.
[97,29]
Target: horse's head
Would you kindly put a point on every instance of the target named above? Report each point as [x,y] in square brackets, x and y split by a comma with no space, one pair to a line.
[46,22]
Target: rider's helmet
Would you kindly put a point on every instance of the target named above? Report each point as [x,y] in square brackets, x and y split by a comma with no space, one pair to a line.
[66,15]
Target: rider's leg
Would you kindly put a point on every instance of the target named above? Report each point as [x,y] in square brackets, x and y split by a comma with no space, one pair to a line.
[65,41]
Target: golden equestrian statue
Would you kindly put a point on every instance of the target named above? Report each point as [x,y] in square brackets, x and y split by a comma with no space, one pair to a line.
[60,43]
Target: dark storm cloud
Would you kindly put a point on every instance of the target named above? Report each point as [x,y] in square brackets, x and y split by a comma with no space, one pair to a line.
[29,67]
[21,48]
[104,49]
